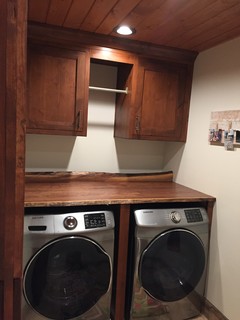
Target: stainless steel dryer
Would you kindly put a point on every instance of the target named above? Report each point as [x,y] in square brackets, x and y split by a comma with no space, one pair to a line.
[171,247]
[68,262]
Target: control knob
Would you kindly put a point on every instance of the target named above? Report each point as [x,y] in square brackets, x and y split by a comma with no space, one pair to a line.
[175,216]
[70,223]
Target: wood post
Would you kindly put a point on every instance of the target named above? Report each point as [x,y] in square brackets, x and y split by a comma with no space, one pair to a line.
[13,17]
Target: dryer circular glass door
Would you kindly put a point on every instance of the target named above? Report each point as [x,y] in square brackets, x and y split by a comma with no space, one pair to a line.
[172,265]
[66,277]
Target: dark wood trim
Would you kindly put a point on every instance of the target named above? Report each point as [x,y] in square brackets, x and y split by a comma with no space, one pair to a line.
[13,28]
[46,34]
[1,299]
[17,289]
[124,219]
[3,75]
[210,206]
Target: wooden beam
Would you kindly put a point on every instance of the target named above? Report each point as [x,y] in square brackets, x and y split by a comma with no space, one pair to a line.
[45,34]
[124,220]
[13,16]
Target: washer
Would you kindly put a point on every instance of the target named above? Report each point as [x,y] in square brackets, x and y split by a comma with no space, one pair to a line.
[68,264]
[171,248]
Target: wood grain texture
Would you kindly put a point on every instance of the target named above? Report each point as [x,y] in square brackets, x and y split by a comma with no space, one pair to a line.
[162,105]
[76,39]
[155,108]
[67,189]
[13,16]
[192,25]
[121,265]
[57,91]
[68,176]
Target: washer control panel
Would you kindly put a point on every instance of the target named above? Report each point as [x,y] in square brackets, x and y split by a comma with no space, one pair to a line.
[69,222]
[94,220]
[193,215]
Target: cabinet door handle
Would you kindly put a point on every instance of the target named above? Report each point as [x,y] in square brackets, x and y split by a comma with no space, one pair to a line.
[137,124]
[78,119]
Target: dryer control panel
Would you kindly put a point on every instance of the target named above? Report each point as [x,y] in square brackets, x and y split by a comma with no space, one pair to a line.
[171,217]
[193,215]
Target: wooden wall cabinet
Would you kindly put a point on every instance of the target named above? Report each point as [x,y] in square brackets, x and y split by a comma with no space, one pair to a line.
[57,91]
[157,105]
[155,108]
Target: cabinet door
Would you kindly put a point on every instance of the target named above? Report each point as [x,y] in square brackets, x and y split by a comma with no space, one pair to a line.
[124,122]
[57,91]
[164,91]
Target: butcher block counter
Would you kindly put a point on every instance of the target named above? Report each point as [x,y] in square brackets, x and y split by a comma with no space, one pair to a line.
[123,191]
[83,188]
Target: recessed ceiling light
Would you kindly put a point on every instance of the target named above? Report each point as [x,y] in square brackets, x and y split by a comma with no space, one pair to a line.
[124,30]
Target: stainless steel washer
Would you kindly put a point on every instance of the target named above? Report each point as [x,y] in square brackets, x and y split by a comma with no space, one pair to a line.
[68,264]
[171,247]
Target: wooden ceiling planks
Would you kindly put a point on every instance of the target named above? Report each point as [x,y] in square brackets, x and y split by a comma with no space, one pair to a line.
[141,13]
[211,21]
[192,25]
[57,11]
[221,38]
[182,21]
[37,10]
[165,15]
[117,15]
[97,14]
[77,13]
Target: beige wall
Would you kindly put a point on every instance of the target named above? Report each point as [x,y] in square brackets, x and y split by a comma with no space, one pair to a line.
[213,170]
[99,151]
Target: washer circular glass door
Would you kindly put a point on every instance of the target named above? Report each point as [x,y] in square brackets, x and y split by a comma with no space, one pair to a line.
[172,265]
[66,277]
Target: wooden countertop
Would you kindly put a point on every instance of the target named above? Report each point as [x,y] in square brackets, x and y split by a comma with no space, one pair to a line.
[84,188]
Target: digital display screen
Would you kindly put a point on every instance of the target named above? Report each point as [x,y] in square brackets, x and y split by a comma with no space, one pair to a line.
[94,220]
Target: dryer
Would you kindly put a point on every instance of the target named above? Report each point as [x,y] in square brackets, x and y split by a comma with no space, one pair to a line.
[171,248]
[68,265]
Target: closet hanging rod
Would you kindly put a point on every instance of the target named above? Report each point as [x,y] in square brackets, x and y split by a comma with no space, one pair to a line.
[109,90]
